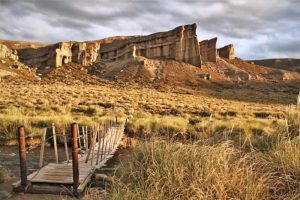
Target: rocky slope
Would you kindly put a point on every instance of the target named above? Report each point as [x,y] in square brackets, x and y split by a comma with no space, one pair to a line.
[283,63]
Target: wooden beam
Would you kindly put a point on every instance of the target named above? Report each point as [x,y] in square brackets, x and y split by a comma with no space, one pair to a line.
[55,144]
[22,156]
[75,165]
[42,148]
[66,146]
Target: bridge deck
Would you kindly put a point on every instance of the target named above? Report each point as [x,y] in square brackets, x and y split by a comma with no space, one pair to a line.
[62,173]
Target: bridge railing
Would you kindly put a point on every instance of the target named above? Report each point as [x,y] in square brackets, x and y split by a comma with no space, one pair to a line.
[90,145]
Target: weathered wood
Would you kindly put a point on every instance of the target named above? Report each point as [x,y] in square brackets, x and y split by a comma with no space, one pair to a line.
[75,165]
[84,183]
[103,140]
[90,149]
[47,179]
[84,138]
[60,174]
[79,138]
[93,145]
[55,144]
[66,146]
[42,148]
[50,189]
[99,143]
[115,137]
[87,137]
[22,156]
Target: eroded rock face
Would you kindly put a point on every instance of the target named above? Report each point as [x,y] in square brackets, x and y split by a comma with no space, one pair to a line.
[208,50]
[179,44]
[6,52]
[58,54]
[227,52]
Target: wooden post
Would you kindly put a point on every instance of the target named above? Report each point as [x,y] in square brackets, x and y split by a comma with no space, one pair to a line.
[75,164]
[87,138]
[79,139]
[93,145]
[90,149]
[99,143]
[66,146]
[43,148]
[55,144]
[84,137]
[103,138]
[110,139]
[115,136]
[111,136]
[22,155]
[106,138]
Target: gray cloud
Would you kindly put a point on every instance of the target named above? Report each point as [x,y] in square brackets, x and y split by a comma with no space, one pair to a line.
[268,28]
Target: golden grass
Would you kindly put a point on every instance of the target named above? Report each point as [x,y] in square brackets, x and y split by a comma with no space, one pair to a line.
[235,147]
[161,169]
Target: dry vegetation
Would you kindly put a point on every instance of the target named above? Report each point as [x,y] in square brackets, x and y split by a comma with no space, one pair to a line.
[212,169]
[38,104]
[193,143]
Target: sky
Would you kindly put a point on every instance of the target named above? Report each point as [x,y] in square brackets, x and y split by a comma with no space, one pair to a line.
[258,28]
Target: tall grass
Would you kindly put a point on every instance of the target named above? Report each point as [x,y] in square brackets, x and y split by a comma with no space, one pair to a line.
[34,120]
[162,170]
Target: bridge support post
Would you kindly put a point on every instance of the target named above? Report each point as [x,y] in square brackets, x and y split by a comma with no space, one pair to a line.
[75,158]
[22,155]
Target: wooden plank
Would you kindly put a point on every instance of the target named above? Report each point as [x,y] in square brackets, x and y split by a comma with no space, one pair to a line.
[66,146]
[55,144]
[84,138]
[93,145]
[42,148]
[99,143]
[50,189]
[79,138]
[62,173]
[82,186]
[87,137]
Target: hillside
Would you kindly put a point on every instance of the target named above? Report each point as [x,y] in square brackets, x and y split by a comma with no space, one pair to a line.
[22,44]
[290,64]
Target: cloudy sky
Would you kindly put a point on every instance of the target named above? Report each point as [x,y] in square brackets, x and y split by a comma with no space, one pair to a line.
[258,28]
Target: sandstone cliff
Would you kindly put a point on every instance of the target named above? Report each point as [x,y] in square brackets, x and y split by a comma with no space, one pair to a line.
[208,50]
[179,44]
[227,52]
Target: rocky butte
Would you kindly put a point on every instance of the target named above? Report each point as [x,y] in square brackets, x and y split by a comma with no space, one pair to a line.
[227,52]
[180,44]
[208,50]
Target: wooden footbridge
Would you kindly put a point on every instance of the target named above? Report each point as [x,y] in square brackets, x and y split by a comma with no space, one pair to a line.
[91,149]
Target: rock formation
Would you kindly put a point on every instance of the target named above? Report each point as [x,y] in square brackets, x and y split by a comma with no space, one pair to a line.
[5,52]
[58,54]
[179,44]
[208,50]
[227,52]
